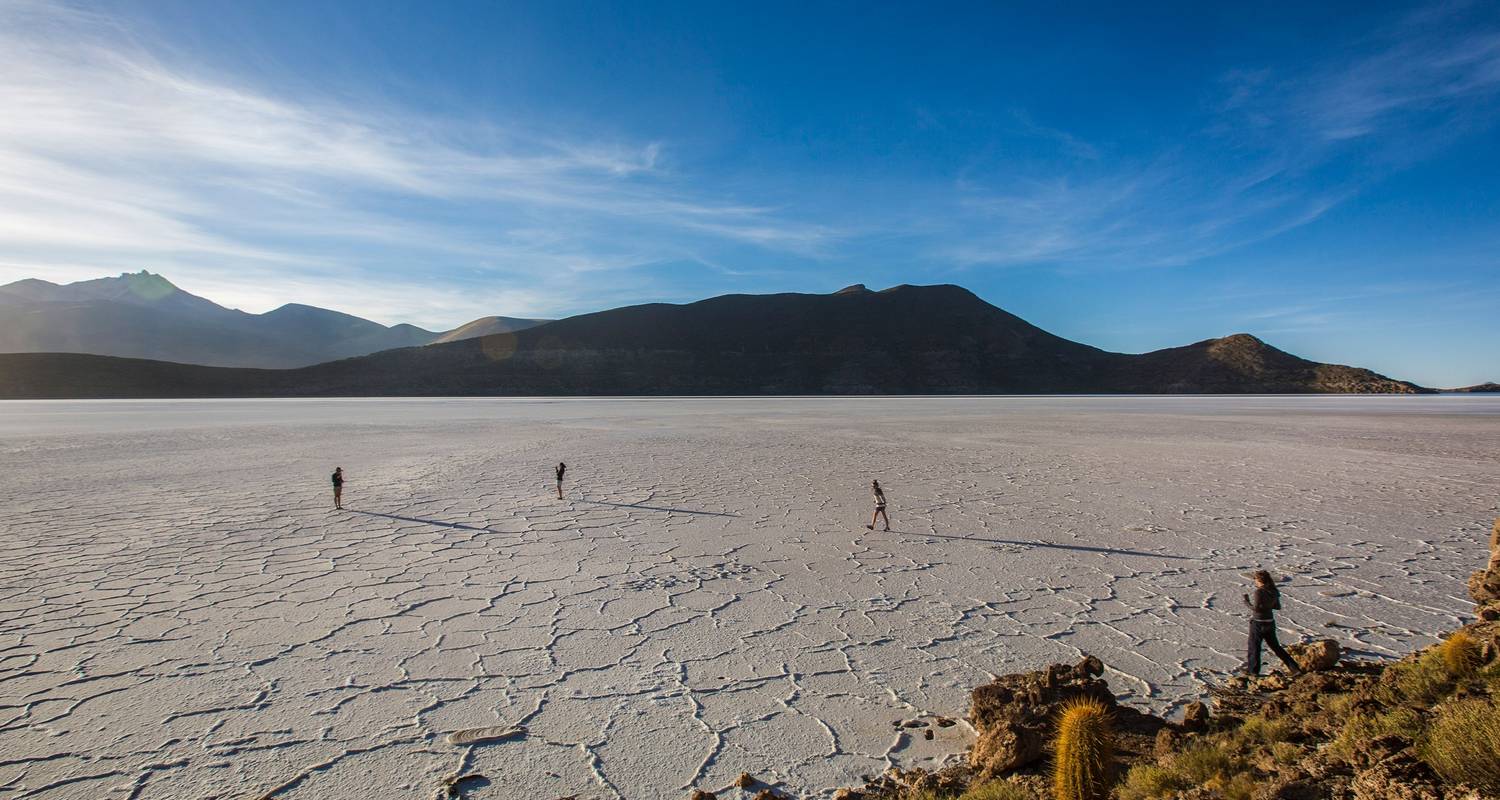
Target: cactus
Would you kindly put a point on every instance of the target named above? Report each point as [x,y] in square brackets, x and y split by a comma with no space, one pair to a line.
[1460,654]
[1084,752]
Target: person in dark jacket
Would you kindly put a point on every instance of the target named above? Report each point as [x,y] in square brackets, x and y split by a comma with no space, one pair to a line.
[560,469]
[1263,605]
[338,488]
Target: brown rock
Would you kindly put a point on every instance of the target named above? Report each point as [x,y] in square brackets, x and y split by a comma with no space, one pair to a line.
[1398,778]
[1005,746]
[944,722]
[1165,744]
[1489,612]
[927,734]
[1274,682]
[699,794]
[1484,586]
[848,794]
[1089,667]
[1195,716]
[1013,713]
[765,794]
[744,781]
[1369,752]
[1316,656]
[1291,789]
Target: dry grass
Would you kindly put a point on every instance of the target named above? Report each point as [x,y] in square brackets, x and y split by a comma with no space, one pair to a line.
[1363,727]
[1209,764]
[1150,782]
[1421,682]
[1286,753]
[1259,730]
[1460,653]
[1463,743]
[997,790]
[926,794]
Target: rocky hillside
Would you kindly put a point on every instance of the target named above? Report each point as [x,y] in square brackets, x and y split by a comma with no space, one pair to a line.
[1243,363]
[143,315]
[903,340]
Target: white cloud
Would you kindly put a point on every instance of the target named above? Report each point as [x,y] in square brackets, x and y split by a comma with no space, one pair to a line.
[112,154]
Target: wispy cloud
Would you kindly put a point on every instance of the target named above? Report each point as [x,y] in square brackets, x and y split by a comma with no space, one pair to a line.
[1162,214]
[1279,149]
[114,154]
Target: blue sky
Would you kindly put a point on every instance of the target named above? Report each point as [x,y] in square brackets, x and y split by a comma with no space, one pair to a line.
[1132,177]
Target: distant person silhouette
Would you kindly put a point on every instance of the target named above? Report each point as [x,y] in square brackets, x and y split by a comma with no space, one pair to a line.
[560,469]
[1263,605]
[879,506]
[338,488]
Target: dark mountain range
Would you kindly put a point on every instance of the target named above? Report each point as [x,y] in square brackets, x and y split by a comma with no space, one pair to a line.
[145,316]
[1483,388]
[904,340]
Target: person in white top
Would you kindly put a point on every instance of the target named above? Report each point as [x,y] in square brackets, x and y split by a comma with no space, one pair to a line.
[879,507]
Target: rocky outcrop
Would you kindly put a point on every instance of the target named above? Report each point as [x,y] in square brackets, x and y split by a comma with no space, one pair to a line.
[1013,714]
[1484,585]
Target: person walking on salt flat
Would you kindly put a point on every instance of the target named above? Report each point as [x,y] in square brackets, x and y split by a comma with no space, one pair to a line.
[879,506]
[560,469]
[338,488]
[1263,606]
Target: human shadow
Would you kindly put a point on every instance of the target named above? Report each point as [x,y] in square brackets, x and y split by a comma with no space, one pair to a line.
[424,521]
[660,508]
[459,786]
[1022,543]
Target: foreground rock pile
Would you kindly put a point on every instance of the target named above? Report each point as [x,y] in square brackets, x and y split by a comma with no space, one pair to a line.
[1484,585]
[1424,728]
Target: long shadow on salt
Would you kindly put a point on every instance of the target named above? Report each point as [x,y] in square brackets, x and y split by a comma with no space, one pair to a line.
[1022,543]
[660,508]
[439,523]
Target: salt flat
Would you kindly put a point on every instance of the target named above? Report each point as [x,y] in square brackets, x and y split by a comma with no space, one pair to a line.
[183,614]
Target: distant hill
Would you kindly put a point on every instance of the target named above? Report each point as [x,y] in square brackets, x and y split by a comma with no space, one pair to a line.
[143,315]
[1483,388]
[485,326]
[904,340]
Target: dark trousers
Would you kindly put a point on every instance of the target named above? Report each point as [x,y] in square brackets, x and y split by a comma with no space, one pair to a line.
[1265,631]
